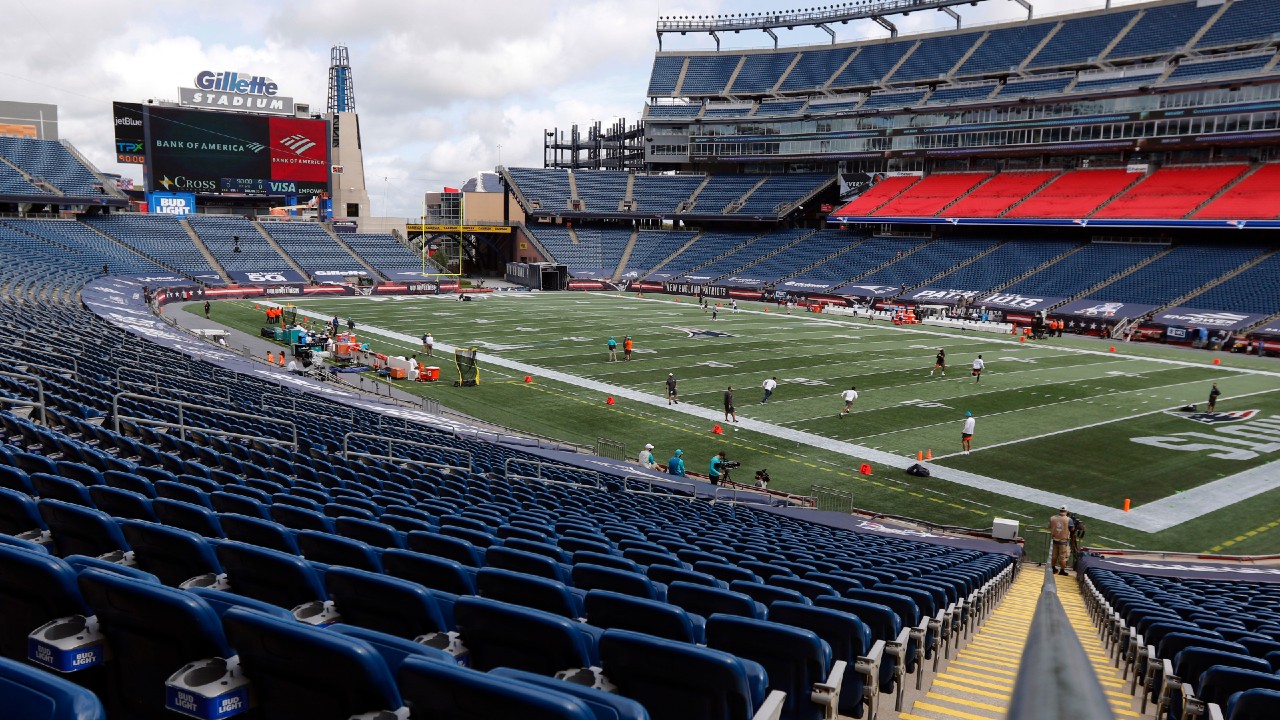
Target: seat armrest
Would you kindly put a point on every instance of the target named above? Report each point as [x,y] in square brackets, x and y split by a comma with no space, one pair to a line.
[1214,712]
[771,708]
[1192,706]
[827,693]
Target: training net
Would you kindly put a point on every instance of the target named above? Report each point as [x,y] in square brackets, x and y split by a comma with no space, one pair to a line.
[468,368]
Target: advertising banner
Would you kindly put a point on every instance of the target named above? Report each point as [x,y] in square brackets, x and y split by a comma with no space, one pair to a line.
[1271,329]
[299,150]
[940,296]
[1017,301]
[195,97]
[323,274]
[1104,310]
[267,276]
[867,291]
[737,281]
[129,136]
[168,203]
[1212,319]
[802,286]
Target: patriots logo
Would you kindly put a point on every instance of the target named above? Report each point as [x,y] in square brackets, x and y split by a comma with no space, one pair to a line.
[700,333]
[1213,418]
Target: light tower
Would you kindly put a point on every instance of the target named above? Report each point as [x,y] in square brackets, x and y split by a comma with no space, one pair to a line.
[342,89]
[350,194]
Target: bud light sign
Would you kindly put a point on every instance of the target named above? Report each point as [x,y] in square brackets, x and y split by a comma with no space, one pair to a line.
[168,203]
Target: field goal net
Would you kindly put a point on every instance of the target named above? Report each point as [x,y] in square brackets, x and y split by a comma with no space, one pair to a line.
[468,368]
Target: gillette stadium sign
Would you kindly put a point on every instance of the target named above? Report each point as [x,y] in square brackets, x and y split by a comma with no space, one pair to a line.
[229,90]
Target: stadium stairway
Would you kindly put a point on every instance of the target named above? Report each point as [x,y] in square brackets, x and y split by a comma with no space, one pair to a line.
[977,682]
[271,243]
[626,251]
[373,271]
[696,237]
[204,250]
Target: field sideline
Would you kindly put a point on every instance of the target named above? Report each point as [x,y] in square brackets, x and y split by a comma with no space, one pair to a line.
[1056,418]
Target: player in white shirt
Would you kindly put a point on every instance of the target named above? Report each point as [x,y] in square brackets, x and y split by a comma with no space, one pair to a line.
[769,385]
[978,365]
[849,396]
[966,433]
[646,456]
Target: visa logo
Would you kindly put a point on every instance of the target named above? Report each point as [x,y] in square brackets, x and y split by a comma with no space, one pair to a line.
[280,186]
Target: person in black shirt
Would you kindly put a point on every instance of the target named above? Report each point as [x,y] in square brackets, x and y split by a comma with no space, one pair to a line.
[1213,396]
[728,405]
[940,363]
[671,389]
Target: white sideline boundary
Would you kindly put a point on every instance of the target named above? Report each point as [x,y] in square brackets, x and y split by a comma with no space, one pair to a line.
[1153,517]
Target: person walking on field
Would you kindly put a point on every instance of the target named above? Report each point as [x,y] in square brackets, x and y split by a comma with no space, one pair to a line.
[966,432]
[1061,528]
[769,385]
[1213,397]
[940,363]
[613,350]
[206,309]
[728,405]
[978,365]
[627,345]
[428,342]
[849,397]
[672,397]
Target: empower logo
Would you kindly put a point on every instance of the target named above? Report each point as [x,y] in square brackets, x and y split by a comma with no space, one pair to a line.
[299,144]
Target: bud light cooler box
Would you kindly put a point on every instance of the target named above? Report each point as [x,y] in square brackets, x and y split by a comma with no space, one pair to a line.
[209,689]
[67,644]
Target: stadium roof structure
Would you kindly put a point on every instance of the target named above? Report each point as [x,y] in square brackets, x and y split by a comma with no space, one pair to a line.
[821,17]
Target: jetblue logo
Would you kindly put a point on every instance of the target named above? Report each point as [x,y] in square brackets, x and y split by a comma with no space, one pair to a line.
[299,144]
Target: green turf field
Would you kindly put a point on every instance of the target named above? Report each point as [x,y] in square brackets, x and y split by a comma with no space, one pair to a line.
[1060,420]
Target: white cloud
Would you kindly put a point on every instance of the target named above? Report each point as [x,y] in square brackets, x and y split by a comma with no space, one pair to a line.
[439,85]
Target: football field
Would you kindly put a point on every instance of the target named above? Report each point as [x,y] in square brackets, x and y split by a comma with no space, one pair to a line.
[1058,421]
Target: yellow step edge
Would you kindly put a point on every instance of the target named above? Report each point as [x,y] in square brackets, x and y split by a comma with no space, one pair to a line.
[976,683]
[962,675]
[960,664]
[939,682]
[954,713]
[967,703]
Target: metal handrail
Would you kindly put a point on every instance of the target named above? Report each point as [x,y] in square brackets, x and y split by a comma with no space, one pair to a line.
[693,488]
[182,425]
[44,418]
[26,403]
[1056,680]
[540,464]
[293,405]
[392,442]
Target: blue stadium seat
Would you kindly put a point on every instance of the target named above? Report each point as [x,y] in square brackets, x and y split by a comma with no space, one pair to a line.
[1219,683]
[1254,705]
[386,604]
[221,601]
[153,631]
[19,515]
[255,531]
[188,516]
[173,555]
[34,589]
[885,626]
[528,563]
[336,550]
[606,609]
[394,650]
[32,694]
[274,577]
[500,634]
[304,672]
[441,690]
[82,531]
[796,660]
[122,504]
[54,487]
[530,591]
[598,577]
[768,594]
[850,641]
[435,573]
[669,678]
[446,547]
[707,601]
[668,575]
[604,706]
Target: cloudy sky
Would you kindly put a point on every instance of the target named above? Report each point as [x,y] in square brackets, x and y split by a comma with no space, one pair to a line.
[439,85]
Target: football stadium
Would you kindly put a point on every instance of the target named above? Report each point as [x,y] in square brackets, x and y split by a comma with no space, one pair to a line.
[931,376]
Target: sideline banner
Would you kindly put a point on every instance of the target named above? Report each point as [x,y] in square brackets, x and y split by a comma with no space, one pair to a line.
[1104,310]
[1016,301]
[1212,319]
[1230,572]
[267,276]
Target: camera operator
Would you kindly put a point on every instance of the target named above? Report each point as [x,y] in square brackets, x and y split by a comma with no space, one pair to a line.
[762,479]
[1077,534]
[719,470]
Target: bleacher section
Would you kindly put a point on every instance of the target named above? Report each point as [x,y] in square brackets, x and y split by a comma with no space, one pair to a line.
[223,234]
[400,552]
[751,253]
[1189,640]
[1184,269]
[918,267]
[934,57]
[1081,41]
[90,248]
[710,245]
[601,191]
[1193,70]
[931,195]
[877,195]
[867,256]
[663,193]
[651,248]
[48,161]
[385,253]
[12,183]
[1004,264]
[779,191]
[545,189]
[1082,270]
[810,250]
[313,249]
[998,194]
[1256,196]
[1004,50]
[1243,22]
[1171,192]
[1162,29]
[160,237]
[708,74]
[595,254]
[1074,194]
[760,72]
[1255,290]
[722,190]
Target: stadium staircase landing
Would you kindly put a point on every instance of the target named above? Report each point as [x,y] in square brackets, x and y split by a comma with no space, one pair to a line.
[976,683]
